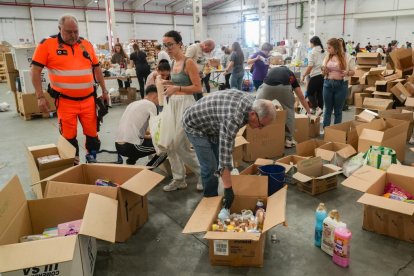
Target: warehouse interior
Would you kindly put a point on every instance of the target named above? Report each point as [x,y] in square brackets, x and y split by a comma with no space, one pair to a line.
[137,227]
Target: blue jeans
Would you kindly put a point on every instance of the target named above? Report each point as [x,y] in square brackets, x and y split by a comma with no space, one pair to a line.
[208,156]
[334,97]
[236,80]
[257,83]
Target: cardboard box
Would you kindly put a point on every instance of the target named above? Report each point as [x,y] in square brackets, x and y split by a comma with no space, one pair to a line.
[268,142]
[308,147]
[388,132]
[301,127]
[253,169]
[238,147]
[400,92]
[70,255]
[371,77]
[343,133]
[7,60]
[382,95]
[354,89]
[26,81]
[28,103]
[381,85]
[335,153]
[354,80]
[291,160]
[403,60]
[369,59]
[22,57]
[127,95]
[377,104]
[11,80]
[409,86]
[409,102]
[314,177]
[40,171]
[239,249]
[135,183]
[400,114]
[365,115]
[314,126]
[383,215]
[359,98]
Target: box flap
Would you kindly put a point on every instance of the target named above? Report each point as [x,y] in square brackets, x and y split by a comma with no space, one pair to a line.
[37,253]
[275,209]
[58,189]
[387,204]
[301,177]
[381,82]
[66,150]
[250,185]
[409,102]
[347,151]
[310,167]
[241,131]
[378,104]
[372,135]
[262,162]
[143,182]
[99,219]
[366,116]
[328,175]
[385,94]
[203,215]
[363,178]
[401,170]
[210,235]
[325,154]
[377,124]
[333,167]
[240,141]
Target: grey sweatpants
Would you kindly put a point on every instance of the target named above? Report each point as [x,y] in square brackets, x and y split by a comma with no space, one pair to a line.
[283,94]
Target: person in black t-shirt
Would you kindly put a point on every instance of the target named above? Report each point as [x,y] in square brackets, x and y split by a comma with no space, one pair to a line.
[278,85]
[142,68]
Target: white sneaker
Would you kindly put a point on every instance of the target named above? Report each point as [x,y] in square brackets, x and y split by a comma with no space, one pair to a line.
[200,187]
[175,185]
[411,142]
[289,143]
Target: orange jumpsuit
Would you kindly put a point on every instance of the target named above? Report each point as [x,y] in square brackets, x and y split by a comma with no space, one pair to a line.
[71,74]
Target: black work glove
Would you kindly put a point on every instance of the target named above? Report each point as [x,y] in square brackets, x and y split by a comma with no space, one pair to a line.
[228,197]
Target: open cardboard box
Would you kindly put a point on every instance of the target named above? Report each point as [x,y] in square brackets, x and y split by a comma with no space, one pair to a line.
[359,98]
[290,160]
[135,183]
[335,153]
[308,147]
[400,114]
[239,249]
[403,60]
[314,177]
[377,104]
[239,143]
[343,133]
[40,171]
[370,59]
[268,142]
[388,132]
[365,115]
[372,76]
[383,215]
[69,255]
[400,92]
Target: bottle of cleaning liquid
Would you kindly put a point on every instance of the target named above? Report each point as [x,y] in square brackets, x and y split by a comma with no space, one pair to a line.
[330,223]
[320,215]
[342,246]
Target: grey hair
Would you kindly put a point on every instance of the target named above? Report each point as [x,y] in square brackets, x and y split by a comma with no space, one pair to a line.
[264,109]
[65,17]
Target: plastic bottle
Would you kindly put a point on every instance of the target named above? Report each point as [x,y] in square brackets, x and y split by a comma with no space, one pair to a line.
[330,223]
[320,215]
[160,90]
[342,246]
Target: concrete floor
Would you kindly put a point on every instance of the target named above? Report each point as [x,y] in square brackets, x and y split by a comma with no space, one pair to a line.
[159,247]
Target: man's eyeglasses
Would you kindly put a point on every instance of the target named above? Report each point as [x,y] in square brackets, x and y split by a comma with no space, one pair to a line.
[168,45]
[258,121]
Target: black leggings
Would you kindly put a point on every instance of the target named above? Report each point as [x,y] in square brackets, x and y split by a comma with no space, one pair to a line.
[206,81]
[227,78]
[142,79]
[135,152]
[121,83]
[314,91]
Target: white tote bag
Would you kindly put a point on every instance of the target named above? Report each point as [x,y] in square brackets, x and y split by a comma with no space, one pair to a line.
[162,130]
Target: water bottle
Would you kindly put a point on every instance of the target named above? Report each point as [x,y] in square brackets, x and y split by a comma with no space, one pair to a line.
[320,215]
[342,241]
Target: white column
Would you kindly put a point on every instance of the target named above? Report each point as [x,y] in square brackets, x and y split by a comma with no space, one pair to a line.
[87,25]
[198,19]
[174,22]
[313,13]
[110,22]
[32,22]
[263,21]
[134,29]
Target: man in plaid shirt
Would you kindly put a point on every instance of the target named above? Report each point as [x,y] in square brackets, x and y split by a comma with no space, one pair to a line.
[211,125]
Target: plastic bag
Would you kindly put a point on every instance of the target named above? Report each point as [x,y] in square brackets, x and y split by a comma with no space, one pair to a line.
[154,126]
[4,106]
[353,164]
[380,157]
[162,130]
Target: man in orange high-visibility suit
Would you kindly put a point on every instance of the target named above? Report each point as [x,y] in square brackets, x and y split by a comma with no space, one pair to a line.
[71,64]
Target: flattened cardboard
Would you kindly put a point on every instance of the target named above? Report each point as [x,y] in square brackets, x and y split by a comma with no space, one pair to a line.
[307,148]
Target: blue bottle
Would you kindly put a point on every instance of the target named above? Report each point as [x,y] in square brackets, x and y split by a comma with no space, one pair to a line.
[320,215]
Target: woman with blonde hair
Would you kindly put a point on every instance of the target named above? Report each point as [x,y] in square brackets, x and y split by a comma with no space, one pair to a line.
[335,89]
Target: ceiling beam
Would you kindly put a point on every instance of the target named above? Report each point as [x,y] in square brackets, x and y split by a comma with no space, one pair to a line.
[219,5]
[179,6]
[137,4]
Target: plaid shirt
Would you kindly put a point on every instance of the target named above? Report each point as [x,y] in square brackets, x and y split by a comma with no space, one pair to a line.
[219,117]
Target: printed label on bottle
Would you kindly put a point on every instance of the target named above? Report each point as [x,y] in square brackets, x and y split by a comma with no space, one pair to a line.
[341,248]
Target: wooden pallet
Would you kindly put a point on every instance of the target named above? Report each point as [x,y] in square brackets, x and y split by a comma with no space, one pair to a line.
[31,116]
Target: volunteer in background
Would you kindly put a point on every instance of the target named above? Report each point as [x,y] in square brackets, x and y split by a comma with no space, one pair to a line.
[73,67]
[139,60]
[224,62]
[235,66]
[161,54]
[163,70]
[212,124]
[315,84]
[278,85]
[185,81]
[200,52]
[119,57]
[368,47]
[350,61]
[132,140]
[335,88]
[260,64]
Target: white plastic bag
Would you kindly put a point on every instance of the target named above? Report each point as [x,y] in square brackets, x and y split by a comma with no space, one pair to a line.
[162,130]
[353,164]
[4,106]
[154,126]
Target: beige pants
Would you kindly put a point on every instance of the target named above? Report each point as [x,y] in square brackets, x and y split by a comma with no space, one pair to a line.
[181,152]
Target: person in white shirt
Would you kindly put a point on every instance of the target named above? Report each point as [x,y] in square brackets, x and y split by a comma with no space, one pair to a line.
[132,140]
[161,54]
